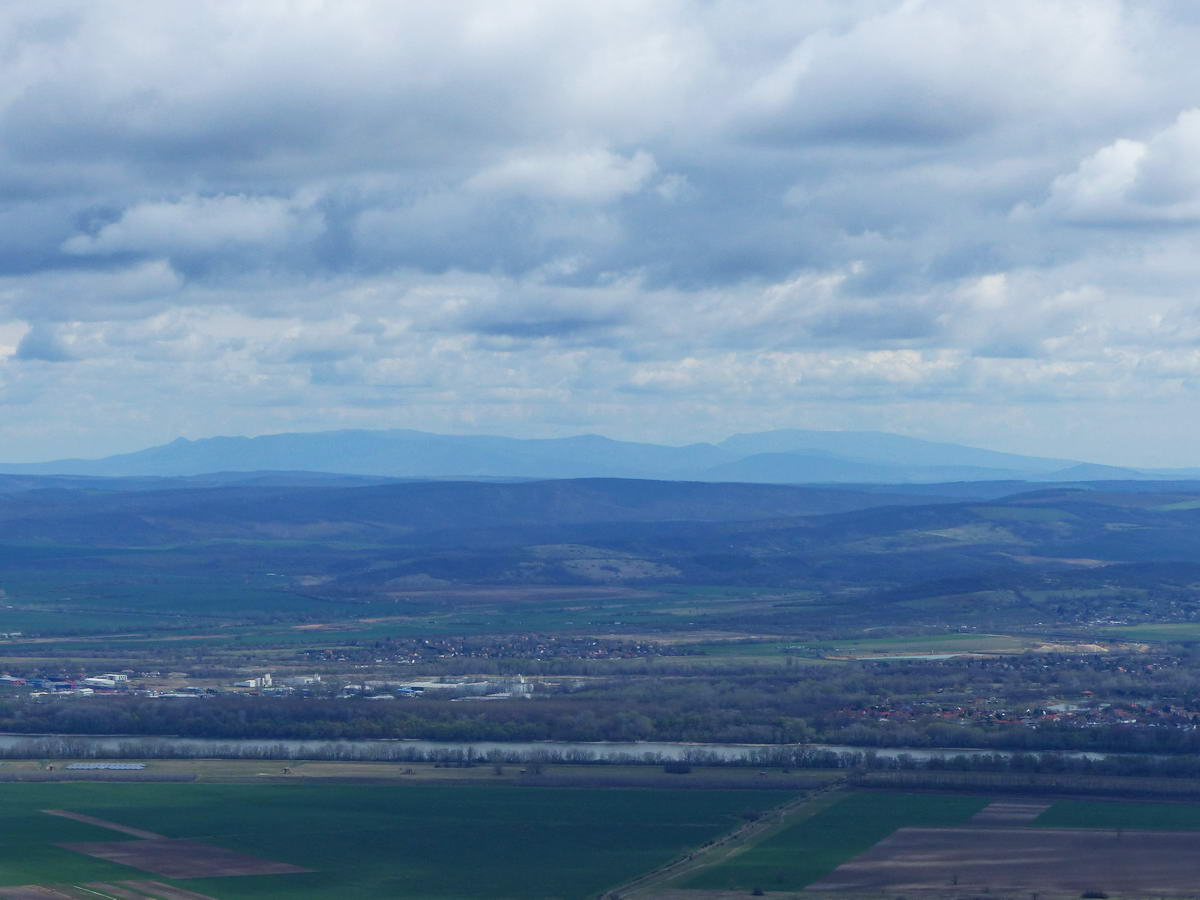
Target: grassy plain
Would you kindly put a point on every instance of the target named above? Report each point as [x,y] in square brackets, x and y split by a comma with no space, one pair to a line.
[378,841]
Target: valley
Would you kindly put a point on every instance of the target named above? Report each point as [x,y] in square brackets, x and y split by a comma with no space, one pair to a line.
[966,639]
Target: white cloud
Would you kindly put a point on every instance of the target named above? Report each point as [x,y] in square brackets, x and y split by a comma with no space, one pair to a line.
[203,225]
[1135,181]
[930,72]
[589,176]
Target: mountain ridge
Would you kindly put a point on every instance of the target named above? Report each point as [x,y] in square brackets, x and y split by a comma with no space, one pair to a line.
[784,456]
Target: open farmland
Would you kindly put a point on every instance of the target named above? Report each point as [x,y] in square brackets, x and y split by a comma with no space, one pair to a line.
[363,841]
[873,844]
[801,853]
[1060,861]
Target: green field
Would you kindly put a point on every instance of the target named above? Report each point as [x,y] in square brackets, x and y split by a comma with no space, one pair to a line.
[148,607]
[740,649]
[1133,816]
[811,848]
[1183,632]
[934,643]
[937,643]
[377,841]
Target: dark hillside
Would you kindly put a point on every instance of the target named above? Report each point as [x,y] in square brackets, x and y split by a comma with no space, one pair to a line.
[394,511]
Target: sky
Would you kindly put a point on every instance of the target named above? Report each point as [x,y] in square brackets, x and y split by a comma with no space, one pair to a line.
[651,219]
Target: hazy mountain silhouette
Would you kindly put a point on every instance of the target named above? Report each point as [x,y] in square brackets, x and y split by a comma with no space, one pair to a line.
[787,456]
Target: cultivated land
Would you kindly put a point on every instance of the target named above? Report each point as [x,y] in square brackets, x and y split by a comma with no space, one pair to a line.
[376,841]
[867,844]
[811,846]
[1053,862]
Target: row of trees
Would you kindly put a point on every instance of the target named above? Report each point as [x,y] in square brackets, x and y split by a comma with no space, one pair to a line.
[914,705]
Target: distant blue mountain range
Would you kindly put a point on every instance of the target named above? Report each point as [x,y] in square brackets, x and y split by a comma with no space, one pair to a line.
[788,456]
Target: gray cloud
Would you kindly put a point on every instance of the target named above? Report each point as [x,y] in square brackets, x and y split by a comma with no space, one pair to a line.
[41,343]
[669,219]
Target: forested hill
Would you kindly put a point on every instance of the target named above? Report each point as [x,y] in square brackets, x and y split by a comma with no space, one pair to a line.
[396,511]
[1106,521]
[1129,546]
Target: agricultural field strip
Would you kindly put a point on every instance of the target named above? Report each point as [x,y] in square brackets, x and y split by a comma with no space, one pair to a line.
[837,833]
[1008,813]
[999,817]
[120,890]
[1012,844]
[648,884]
[372,841]
[173,858]
[1157,863]
[104,823]
[165,891]
[181,858]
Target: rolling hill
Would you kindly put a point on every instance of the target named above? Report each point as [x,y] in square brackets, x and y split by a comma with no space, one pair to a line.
[1081,552]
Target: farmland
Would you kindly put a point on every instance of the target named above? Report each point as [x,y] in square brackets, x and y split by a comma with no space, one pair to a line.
[374,841]
[1132,816]
[1178,632]
[1060,862]
[893,842]
[804,851]
[867,647]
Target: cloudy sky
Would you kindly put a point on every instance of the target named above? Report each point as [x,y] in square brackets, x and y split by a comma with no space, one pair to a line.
[653,219]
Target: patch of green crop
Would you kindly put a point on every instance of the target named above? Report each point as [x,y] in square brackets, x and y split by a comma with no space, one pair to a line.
[1131,816]
[1184,631]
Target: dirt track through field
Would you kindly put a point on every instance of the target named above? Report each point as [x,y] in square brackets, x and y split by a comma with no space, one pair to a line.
[117,890]
[104,823]
[991,859]
[651,883]
[165,891]
[1006,813]
[181,858]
